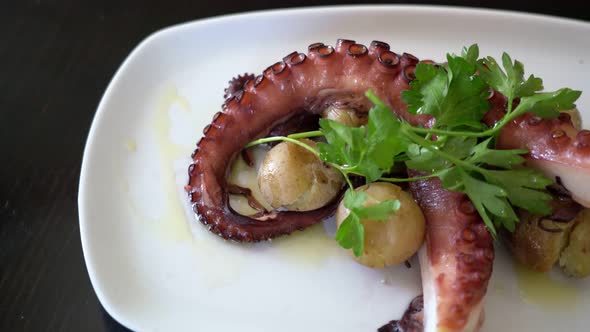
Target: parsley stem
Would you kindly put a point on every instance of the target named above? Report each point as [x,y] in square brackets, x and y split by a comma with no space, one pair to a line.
[307,134]
[509,101]
[416,178]
[346,178]
[282,138]
[290,138]
[486,133]
[293,139]
[442,132]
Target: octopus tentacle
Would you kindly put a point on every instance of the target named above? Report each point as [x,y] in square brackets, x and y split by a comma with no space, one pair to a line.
[456,261]
[555,147]
[411,321]
[287,89]
[236,84]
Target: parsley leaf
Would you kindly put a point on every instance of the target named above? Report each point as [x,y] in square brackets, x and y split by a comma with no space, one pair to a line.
[368,151]
[488,198]
[351,233]
[522,187]
[510,81]
[427,91]
[460,147]
[347,146]
[383,138]
[423,159]
[451,179]
[547,104]
[502,188]
[454,95]
[481,153]
[470,54]
[467,97]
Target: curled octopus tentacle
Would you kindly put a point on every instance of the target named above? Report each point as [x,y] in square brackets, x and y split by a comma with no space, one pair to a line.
[300,84]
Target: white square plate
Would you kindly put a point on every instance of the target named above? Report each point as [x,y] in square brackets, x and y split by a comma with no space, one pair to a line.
[154,268]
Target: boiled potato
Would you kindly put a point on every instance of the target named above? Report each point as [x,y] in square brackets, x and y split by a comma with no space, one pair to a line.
[575,258]
[346,116]
[534,247]
[393,241]
[293,178]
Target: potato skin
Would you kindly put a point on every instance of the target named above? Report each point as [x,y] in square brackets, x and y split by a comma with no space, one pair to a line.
[540,250]
[575,258]
[534,247]
[293,178]
[394,241]
[345,116]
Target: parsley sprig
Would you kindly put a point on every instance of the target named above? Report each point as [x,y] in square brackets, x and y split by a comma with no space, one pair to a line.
[351,233]
[458,148]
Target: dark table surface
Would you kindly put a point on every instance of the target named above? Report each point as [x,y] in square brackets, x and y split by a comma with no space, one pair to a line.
[56,59]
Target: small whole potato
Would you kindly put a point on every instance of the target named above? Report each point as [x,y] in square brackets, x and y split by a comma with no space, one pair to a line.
[395,240]
[346,116]
[293,178]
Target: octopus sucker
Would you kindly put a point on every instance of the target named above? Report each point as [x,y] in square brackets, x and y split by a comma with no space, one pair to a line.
[456,259]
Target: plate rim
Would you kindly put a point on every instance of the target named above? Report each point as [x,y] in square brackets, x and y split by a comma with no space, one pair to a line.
[153,37]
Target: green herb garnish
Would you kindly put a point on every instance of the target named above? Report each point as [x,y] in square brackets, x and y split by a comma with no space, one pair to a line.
[462,155]
[351,233]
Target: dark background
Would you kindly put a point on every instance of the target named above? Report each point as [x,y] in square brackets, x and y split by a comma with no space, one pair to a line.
[56,59]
